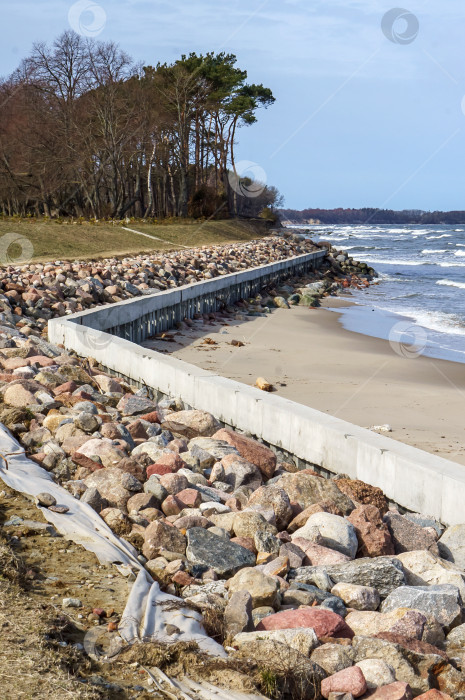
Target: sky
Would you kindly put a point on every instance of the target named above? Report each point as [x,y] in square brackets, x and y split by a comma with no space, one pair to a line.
[370,98]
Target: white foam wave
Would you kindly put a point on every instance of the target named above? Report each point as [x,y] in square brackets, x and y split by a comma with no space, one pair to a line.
[443,235]
[452,264]
[437,321]
[395,262]
[460,253]
[451,283]
[433,250]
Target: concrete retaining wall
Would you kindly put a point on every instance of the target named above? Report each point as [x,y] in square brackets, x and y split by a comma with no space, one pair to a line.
[412,478]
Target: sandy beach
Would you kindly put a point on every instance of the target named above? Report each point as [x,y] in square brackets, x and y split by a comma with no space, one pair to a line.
[309,358]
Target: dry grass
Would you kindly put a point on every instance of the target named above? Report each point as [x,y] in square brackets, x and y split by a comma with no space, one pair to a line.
[29,667]
[68,240]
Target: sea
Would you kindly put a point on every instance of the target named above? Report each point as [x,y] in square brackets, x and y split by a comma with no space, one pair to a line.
[419,301]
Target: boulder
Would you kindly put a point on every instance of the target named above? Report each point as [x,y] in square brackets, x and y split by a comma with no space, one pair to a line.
[393,691]
[141,501]
[110,483]
[239,472]
[373,534]
[383,573]
[406,669]
[131,405]
[274,498]
[117,521]
[325,622]
[238,613]
[152,450]
[357,597]
[349,680]
[191,424]
[316,555]
[441,603]
[19,396]
[370,623]
[246,523]
[263,589]
[206,550]
[105,449]
[211,450]
[251,450]
[160,535]
[452,545]
[377,673]
[407,536]
[363,493]
[333,657]
[423,569]
[337,533]
[303,640]
[307,489]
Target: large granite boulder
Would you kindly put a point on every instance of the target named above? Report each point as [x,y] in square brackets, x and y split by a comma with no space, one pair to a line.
[251,450]
[383,573]
[205,550]
[336,532]
[441,603]
[307,489]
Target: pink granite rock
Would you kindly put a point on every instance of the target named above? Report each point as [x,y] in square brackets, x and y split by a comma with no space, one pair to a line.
[349,680]
[325,622]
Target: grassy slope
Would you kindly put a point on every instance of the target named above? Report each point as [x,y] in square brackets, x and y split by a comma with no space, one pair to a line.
[65,241]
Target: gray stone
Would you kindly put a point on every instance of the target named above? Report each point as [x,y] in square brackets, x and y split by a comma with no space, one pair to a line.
[383,573]
[208,551]
[357,597]
[409,667]
[336,532]
[71,603]
[131,405]
[87,422]
[259,613]
[266,542]
[407,536]
[302,639]
[216,448]
[377,673]
[154,487]
[452,545]
[239,472]
[46,499]
[274,498]
[93,498]
[307,489]
[441,603]
[238,613]
[425,521]
[333,657]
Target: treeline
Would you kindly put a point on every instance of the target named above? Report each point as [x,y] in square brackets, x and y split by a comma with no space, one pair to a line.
[84,132]
[371,216]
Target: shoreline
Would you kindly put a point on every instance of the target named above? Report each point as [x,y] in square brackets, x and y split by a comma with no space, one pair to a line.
[310,358]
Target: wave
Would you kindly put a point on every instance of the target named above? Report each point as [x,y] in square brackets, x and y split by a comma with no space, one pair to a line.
[434,250]
[443,235]
[460,253]
[437,321]
[396,262]
[451,283]
[452,264]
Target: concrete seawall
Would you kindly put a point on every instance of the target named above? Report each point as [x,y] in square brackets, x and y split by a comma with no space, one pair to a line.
[412,478]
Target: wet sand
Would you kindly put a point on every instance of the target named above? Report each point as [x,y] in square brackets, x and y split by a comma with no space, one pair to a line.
[309,358]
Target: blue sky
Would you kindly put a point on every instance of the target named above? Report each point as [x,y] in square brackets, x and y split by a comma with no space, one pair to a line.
[360,120]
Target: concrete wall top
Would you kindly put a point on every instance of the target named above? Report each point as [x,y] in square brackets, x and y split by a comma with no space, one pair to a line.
[411,477]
